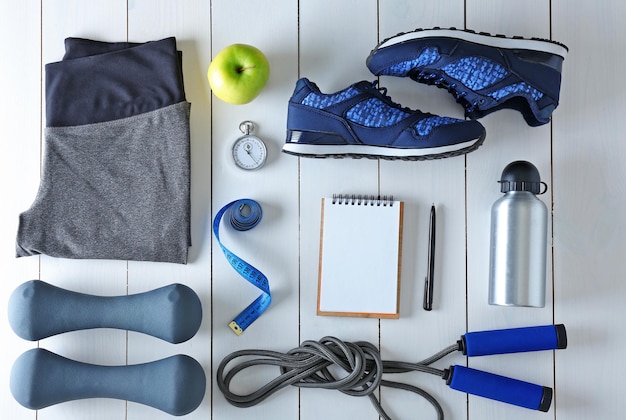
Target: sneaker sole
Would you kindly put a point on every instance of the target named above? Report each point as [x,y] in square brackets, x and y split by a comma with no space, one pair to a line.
[482,38]
[379,152]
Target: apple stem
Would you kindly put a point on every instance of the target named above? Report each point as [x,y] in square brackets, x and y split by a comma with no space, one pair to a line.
[241,69]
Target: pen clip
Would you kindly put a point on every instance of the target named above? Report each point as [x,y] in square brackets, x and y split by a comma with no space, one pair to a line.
[428,283]
[428,301]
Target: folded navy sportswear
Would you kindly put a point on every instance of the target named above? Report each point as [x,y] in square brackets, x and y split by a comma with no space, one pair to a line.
[116,165]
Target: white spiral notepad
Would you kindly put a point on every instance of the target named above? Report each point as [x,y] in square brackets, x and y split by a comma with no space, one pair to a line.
[360,256]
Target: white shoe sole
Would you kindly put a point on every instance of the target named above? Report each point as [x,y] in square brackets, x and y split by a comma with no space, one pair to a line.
[498,41]
[380,152]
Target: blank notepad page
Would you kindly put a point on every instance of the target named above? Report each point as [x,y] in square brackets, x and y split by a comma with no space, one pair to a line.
[360,255]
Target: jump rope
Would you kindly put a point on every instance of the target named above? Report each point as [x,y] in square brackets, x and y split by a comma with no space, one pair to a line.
[310,365]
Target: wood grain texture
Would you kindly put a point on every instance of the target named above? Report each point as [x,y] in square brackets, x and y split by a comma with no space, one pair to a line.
[332,55]
[579,155]
[589,202]
[442,183]
[508,139]
[20,150]
[272,246]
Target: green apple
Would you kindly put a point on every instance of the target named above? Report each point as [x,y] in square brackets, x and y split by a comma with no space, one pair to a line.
[238,73]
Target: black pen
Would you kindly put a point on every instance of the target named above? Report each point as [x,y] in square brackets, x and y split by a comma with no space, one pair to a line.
[428,284]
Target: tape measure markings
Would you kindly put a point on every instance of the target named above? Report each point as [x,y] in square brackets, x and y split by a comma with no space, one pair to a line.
[244,214]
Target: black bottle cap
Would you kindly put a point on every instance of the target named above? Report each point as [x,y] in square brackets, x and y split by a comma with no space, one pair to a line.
[521,176]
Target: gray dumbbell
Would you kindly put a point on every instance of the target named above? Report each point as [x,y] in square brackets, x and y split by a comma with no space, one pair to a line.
[40,378]
[38,310]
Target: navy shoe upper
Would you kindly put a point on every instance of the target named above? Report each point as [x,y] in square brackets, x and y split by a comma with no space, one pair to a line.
[363,114]
[482,78]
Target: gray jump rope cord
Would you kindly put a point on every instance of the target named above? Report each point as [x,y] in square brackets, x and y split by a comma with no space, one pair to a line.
[307,366]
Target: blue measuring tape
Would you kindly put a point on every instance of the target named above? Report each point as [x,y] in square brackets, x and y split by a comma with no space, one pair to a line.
[243,215]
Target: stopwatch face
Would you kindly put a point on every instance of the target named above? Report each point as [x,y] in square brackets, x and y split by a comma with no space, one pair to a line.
[249,152]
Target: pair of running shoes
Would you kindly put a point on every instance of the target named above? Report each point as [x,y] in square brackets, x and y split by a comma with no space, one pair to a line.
[485,73]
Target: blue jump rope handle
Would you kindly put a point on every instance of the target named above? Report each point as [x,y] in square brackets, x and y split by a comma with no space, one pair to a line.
[514,340]
[38,310]
[500,388]
[175,385]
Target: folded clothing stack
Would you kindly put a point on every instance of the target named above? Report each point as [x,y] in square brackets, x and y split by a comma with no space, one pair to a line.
[116,166]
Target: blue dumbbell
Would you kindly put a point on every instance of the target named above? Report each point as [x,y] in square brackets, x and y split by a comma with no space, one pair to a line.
[40,378]
[38,310]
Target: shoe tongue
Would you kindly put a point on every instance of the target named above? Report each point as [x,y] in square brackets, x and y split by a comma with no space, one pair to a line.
[364,85]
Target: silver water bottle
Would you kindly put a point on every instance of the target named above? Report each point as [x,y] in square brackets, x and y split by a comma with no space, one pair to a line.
[519,229]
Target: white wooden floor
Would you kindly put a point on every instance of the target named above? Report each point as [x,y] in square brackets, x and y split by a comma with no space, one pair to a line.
[580,155]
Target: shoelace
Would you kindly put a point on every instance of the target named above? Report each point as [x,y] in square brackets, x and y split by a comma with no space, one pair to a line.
[381,92]
[441,82]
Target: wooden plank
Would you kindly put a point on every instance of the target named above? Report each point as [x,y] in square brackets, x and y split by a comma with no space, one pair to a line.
[589,202]
[418,333]
[272,246]
[509,138]
[20,150]
[335,39]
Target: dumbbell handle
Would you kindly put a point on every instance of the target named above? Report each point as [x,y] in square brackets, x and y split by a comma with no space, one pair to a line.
[500,388]
[38,310]
[513,340]
[40,378]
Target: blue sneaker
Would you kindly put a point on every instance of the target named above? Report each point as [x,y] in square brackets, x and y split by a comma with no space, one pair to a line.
[362,121]
[485,73]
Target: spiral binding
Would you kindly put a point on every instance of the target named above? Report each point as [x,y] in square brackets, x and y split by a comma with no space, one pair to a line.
[363,200]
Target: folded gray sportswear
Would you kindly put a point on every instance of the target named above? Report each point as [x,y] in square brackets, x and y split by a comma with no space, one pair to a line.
[116,165]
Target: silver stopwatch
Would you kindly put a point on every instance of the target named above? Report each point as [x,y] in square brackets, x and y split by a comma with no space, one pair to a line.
[249,151]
